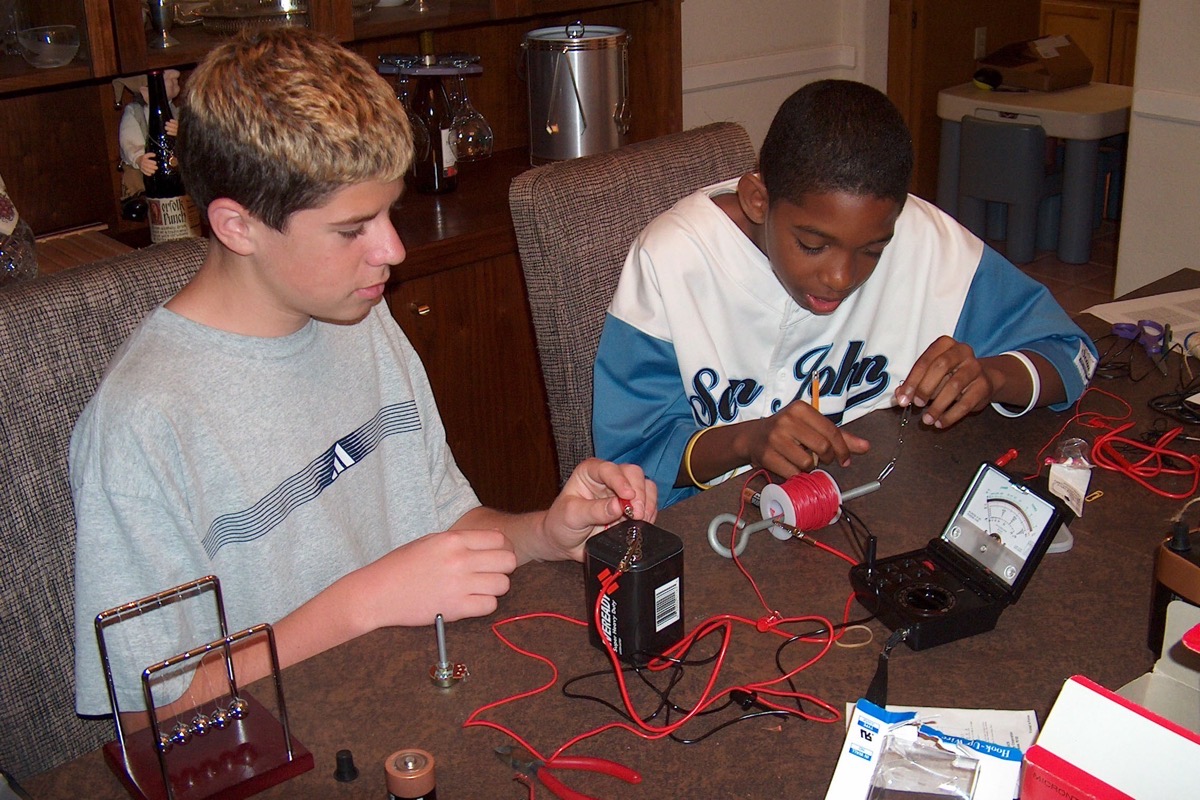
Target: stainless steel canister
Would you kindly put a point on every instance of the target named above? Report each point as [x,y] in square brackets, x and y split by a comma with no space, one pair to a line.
[578,80]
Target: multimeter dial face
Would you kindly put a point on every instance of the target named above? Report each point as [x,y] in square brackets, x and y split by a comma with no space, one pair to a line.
[1009,524]
[998,523]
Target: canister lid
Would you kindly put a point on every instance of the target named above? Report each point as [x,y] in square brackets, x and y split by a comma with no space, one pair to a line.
[575,36]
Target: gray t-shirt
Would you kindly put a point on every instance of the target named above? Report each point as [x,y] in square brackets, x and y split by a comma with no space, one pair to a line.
[277,464]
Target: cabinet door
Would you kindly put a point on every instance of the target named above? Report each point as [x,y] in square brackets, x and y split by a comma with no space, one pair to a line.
[1090,26]
[471,327]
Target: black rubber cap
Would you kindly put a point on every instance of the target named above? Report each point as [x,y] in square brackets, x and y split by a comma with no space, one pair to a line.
[346,771]
[1180,541]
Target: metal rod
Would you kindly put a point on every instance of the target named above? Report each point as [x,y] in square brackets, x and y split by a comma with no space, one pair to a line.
[859,491]
[440,627]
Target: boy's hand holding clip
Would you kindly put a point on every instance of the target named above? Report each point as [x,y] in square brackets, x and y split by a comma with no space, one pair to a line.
[948,382]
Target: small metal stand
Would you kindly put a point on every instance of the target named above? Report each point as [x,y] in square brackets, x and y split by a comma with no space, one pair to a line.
[235,751]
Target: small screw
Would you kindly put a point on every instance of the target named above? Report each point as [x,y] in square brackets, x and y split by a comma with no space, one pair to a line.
[443,673]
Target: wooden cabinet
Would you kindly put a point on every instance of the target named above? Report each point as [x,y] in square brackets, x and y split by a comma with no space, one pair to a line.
[459,295]
[97,53]
[460,298]
[58,127]
[1106,30]
[53,151]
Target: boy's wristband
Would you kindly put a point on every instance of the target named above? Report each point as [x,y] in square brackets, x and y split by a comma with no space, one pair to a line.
[1034,395]
[687,457]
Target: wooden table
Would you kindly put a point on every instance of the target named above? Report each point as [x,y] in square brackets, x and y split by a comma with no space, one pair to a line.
[56,253]
[1085,611]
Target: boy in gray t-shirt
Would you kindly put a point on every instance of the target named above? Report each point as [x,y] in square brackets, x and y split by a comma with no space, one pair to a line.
[270,424]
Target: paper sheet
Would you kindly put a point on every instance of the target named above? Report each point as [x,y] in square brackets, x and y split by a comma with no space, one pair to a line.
[1180,310]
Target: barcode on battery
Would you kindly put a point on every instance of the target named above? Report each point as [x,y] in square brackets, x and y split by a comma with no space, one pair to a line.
[666,605]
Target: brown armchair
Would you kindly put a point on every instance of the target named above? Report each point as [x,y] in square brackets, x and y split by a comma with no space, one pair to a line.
[57,335]
[575,221]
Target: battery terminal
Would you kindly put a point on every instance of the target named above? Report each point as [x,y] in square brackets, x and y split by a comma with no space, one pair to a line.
[633,548]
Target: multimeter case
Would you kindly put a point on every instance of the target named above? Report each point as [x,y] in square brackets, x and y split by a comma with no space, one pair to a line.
[642,613]
[942,593]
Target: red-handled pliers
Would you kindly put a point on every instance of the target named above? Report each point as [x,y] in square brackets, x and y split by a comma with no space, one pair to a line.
[536,768]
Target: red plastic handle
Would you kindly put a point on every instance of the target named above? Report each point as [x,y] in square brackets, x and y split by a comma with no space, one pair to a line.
[601,765]
[558,788]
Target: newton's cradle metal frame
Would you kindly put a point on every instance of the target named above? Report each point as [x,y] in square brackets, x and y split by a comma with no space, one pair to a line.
[233,751]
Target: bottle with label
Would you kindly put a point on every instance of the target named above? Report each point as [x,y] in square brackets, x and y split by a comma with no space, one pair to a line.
[18,261]
[172,213]
[433,170]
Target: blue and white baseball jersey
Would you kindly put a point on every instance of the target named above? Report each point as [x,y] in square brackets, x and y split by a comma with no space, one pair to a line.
[700,331]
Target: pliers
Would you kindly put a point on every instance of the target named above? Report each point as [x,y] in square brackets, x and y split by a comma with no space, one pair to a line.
[539,769]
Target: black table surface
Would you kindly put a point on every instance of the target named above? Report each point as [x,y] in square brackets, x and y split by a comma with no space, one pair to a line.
[1084,612]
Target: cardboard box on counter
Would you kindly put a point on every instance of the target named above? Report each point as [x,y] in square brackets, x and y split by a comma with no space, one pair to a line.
[1045,64]
[1172,688]
[1141,743]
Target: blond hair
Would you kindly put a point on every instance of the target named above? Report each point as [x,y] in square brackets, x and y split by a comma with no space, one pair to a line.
[279,119]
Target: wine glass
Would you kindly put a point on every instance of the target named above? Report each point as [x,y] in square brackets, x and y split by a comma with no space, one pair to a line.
[162,17]
[470,134]
[420,134]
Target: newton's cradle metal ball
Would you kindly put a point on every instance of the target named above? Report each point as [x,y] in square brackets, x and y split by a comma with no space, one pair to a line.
[181,734]
[238,708]
[201,724]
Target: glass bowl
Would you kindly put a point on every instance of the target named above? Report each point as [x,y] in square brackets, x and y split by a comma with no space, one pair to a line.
[50,46]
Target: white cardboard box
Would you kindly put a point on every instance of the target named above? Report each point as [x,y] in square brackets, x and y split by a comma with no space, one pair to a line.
[1172,689]
[1101,745]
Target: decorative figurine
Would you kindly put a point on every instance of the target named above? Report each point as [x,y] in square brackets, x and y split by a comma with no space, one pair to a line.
[134,125]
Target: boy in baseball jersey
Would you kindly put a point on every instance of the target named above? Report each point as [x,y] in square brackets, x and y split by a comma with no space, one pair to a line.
[816,280]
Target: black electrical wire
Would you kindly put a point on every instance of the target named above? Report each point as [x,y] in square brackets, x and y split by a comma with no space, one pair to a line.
[1119,364]
[666,706]
[749,715]
[675,674]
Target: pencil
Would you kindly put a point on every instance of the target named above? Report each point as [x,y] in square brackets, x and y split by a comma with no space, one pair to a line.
[816,392]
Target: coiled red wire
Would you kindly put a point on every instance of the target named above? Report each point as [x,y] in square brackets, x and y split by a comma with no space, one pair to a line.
[1108,449]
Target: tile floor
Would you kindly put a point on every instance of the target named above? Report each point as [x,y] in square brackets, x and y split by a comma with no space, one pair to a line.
[1078,286]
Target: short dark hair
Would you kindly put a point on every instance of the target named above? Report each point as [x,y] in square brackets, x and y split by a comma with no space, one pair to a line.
[837,136]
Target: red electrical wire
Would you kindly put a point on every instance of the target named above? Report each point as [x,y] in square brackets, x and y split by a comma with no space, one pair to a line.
[1088,419]
[819,504]
[816,500]
[720,624]
[1106,454]
[1151,465]
[815,497]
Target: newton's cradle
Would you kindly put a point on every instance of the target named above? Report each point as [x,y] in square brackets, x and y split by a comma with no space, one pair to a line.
[233,747]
